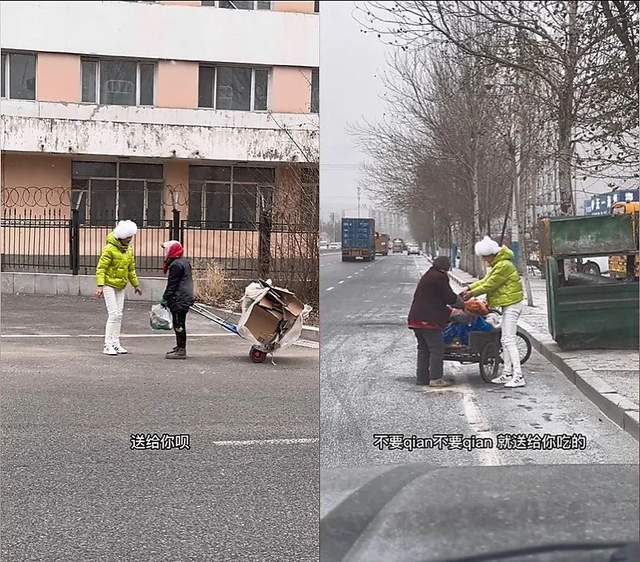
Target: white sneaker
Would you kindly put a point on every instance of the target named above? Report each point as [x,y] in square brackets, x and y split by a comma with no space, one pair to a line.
[119,349]
[109,350]
[515,382]
[502,379]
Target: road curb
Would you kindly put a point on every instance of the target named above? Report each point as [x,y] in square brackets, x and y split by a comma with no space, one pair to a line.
[310,333]
[616,407]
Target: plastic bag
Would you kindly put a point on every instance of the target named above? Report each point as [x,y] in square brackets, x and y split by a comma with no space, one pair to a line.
[455,333]
[160,318]
[480,325]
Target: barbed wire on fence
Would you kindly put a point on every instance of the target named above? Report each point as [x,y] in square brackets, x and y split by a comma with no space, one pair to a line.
[25,196]
[39,196]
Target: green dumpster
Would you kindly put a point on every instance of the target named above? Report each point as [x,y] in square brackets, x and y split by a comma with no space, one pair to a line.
[596,313]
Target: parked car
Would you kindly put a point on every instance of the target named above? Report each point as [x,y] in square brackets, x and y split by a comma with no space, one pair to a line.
[413,250]
[323,246]
[335,246]
[595,265]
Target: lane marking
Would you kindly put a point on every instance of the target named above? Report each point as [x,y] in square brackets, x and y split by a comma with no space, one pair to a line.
[473,414]
[477,421]
[167,335]
[249,442]
[349,276]
[307,343]
[330,289]
[340,282]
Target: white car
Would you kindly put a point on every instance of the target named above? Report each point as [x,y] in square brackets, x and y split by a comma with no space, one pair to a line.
[596,265]
[335,246]
[413,249]
[323,246]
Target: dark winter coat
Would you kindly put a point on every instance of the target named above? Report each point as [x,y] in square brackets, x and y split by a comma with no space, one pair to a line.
[178,295]
[431,298]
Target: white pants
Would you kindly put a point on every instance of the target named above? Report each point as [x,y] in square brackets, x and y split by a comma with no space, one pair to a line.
[510,354]
[114,299]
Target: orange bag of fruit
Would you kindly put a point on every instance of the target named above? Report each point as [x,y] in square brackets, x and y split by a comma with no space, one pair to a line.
[474,306]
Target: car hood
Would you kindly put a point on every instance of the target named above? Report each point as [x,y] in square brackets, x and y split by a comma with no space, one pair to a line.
[419,512]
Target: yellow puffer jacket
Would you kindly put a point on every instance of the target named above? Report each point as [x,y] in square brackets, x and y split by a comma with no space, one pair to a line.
[502,284]
[116,266]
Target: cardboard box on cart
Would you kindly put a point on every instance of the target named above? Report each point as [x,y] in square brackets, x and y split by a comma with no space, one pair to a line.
[276,312]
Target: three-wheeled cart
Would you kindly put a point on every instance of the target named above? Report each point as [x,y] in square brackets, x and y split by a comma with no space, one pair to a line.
[485,349]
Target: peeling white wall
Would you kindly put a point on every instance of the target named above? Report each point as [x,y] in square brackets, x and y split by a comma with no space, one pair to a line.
[144,140]
[160,115]
[156,31]
[60,128]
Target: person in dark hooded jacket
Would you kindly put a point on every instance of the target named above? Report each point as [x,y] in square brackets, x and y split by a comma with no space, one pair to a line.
[428,316]
[178,296]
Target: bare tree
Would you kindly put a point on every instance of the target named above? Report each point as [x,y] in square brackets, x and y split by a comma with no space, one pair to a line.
[565,45]
[436,156]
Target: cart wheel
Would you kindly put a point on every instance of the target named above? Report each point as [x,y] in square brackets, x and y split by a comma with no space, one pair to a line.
[489,362]
[524,348]
[257,356]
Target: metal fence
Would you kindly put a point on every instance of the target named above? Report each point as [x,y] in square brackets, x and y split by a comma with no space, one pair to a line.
[56,241]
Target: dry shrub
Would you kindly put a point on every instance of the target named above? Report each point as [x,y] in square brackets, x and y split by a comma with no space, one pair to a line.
[212,286]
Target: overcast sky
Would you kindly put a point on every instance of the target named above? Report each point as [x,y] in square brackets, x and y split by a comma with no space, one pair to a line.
[351,64]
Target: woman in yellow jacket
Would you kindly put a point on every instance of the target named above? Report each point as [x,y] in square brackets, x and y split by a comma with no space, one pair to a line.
[503,288]
[116,269]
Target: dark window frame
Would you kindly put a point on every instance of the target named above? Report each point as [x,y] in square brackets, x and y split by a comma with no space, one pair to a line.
[315,90]
[5,70]
[213,91]
[148,185]
[98,61]
[208,186]
[310,183]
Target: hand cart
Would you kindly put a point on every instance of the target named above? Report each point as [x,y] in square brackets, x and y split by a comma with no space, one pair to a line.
[258,352]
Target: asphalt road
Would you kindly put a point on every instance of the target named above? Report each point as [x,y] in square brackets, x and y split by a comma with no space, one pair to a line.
[72,488]
[368,385]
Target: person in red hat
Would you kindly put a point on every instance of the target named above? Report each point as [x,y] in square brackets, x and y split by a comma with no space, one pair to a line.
[178,296]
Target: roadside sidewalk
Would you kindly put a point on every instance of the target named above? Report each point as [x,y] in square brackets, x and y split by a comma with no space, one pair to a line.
[609,378]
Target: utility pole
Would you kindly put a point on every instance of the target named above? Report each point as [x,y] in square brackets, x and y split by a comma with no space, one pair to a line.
[333,226]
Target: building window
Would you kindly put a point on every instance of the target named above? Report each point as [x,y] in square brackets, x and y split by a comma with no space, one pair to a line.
[233,87]
[18,76]
[316,7]
[315,90]
[237,5]
[112,191]
[228,196]
[3,66]
[117,82]
[310,183]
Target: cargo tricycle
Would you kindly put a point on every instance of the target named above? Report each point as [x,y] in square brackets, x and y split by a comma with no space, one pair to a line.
[485,349]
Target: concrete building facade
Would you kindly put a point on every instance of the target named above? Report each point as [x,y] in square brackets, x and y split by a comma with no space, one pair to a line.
[128,109]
